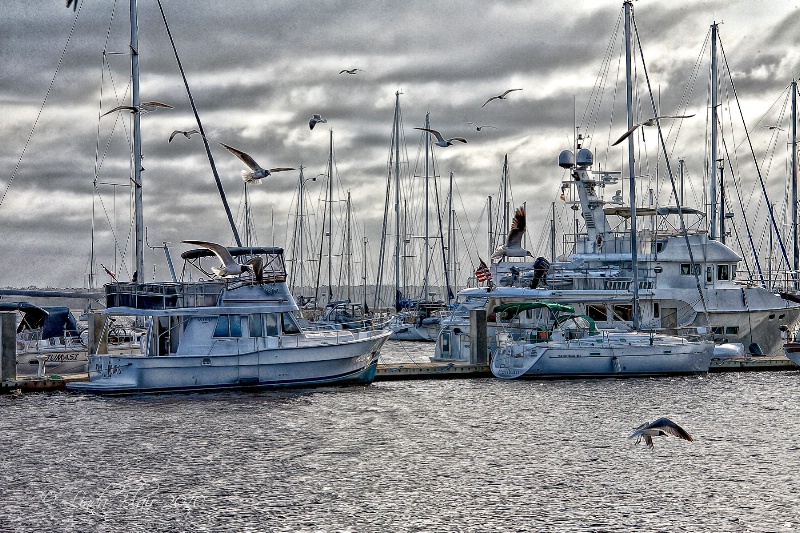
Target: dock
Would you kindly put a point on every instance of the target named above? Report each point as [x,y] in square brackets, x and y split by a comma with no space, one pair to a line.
[409,371]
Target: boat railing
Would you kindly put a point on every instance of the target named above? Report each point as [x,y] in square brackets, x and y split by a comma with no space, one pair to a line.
[164,295]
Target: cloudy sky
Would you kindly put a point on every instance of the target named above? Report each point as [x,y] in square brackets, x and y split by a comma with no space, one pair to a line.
[259,70]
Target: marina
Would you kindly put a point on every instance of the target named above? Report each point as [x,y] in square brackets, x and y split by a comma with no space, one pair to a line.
[481,311]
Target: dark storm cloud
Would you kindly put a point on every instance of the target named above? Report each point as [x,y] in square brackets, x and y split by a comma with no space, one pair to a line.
[258,70]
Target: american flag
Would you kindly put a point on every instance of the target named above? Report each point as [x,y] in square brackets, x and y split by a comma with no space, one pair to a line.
[483,273]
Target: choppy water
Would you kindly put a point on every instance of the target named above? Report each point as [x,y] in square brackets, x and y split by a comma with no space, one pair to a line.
[451,455]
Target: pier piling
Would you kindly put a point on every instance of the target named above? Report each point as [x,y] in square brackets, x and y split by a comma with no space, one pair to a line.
[8,346]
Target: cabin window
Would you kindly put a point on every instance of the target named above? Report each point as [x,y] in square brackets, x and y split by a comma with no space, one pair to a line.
[733,272]
[272,325]
[656,310]
[660,246]
[256,327]
[289,324]
[709,275]
[732,330]
[686,269]
[597,312]
[723,272]
[717,330]
[623,312]
[228,326]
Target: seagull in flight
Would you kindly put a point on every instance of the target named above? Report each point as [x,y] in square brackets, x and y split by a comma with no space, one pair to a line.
[662,426]
[513,246]
[350,71]
[256,173]
[773,128]
[229,266]
[648,122]
[479,127]
[186,133]
[144,107]
[500,96]
[314,120]
[441,141]
[73,3]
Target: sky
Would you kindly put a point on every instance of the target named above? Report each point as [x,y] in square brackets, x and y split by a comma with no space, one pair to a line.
[259,70]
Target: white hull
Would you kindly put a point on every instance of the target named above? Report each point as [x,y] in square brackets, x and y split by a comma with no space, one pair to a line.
[601,358]
[299,366]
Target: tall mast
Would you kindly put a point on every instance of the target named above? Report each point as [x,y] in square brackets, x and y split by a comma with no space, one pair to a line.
[489,225]
[553,232]
[137,146]
[712,164]
[427,213]
[450,240]
[397,193]
[300,201]
[794,182]
[349,262]
[505,196]
[631,173]
[330,219]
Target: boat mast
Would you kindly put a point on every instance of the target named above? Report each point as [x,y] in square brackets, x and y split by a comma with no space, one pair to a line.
[397,195]
[137,147]
[794,183]
[330,219]
[300,202]
[490,251]
[349,262]
[505,196]
[427,212]
[631,176]
[712,164]
[553,232]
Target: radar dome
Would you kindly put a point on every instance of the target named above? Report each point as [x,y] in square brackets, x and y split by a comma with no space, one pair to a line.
[566,159]
[585,158]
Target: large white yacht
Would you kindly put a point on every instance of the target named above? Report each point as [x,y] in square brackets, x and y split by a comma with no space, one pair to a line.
[687,282]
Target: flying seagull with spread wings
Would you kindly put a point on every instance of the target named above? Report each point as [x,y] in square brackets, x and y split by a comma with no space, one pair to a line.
[186,133]
[500,96]
[315,119]
[648,122]
[73,3]
[478,127]
[513,246]
[144,107]
[441,141]
[229,266]
[256,172]
[661,427]
[350,71]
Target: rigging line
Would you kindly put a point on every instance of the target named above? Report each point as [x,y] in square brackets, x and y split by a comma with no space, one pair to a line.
[755,161]
[200,127]
[41,107]
[669,173]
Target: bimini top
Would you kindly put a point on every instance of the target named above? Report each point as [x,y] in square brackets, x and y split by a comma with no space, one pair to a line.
[54,321]
[235,251]
[513,308]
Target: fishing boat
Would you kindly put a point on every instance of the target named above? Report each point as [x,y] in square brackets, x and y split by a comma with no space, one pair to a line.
[228,334]
[233,329]
[558,343]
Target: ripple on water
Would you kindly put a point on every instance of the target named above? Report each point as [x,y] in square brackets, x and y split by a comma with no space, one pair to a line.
[451,455]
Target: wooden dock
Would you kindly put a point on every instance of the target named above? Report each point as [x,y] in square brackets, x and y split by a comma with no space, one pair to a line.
[433,370]
[757,363]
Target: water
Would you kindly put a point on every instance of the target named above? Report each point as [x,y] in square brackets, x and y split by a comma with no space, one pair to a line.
[449,455]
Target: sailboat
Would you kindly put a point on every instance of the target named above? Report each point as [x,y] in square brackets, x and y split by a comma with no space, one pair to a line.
[235,331]
[416,318]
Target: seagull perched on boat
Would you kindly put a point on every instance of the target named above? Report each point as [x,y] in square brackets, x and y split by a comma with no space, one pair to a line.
[479,127]
[229,266]
[662,426]
[441,141]
[513,246]
[500,96]
[144,107]
[315,119]
[186,133]
[648,122]
[350,71]
[256,173]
